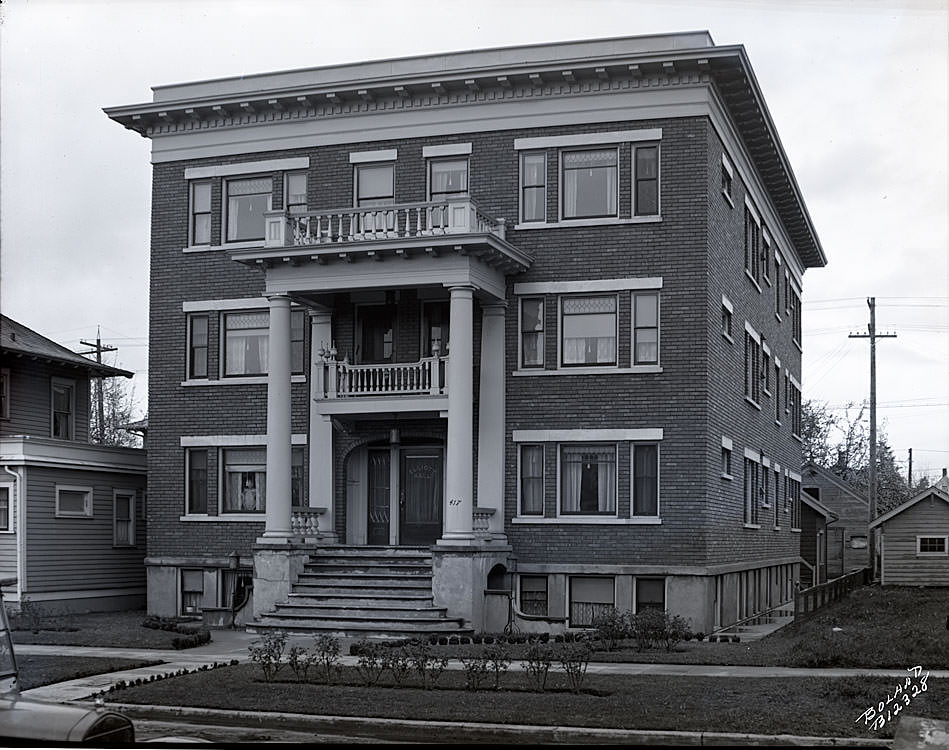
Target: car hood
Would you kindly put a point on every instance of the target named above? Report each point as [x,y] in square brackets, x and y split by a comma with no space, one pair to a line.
[24,718]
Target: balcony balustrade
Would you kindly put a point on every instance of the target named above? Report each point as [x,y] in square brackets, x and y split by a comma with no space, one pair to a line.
[395,222]
[344,380]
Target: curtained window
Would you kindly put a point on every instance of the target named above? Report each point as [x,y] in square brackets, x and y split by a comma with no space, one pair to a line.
[532,332]
[589,330]
[247,200]
[532,480]
[588,479]
[589,183]
[646,328]
[533,187]
[246,343]
[245,480]
[645,480]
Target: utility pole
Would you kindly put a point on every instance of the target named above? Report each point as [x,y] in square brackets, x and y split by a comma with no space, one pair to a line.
[97,349]
[873,336]
[909,476]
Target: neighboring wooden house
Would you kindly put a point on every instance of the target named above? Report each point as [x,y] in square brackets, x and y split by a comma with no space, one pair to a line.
[849,532]
[815,522]
[914,541]
[72,514]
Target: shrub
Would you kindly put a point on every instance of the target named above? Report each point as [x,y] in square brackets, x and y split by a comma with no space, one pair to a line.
[192,639]
[537,665]
[326,658]
[612,627]
[300,660]
[648,627]
[498,660]
[476,670]
[268,652]
[398,663]
[429,667]
[575,658]
[370,665]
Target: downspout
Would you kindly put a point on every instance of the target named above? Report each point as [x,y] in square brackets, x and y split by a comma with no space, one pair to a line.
[20,530]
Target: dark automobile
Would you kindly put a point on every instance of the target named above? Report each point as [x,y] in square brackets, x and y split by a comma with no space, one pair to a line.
[32,720]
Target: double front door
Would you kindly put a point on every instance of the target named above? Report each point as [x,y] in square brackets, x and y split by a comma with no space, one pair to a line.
[405,495]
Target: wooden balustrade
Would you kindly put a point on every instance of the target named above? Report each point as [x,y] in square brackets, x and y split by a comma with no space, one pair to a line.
[343,380]
[809,600]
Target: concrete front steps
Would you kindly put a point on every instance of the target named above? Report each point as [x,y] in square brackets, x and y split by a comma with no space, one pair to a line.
[363,592]
[755,628]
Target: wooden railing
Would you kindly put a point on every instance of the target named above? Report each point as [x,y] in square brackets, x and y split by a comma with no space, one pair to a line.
[809,600]
[343,380]
[398,221]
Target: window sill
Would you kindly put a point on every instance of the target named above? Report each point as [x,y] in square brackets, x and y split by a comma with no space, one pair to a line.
[777,317]
[586,520]
[753,403]
[569,223]
[604,370]
[729,477]
[795,531]
[229,517]
[85,516]
[932,554]
[752,280]
[228,246]
[728,338]
[797,437]
[249,380]
[752,525]
[728,198]
[776,528]
[777,422]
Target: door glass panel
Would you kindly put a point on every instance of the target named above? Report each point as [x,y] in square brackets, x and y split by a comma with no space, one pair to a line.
[421,497]
[378,526]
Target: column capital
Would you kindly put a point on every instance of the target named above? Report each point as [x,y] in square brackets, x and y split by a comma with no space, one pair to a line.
[278,298]
[453,288]
[495,307]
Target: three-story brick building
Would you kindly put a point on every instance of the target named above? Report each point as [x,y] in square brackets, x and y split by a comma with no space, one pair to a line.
[535,310]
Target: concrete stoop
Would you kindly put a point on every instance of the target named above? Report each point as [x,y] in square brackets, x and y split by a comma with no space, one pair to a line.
[363,592]
[754,629]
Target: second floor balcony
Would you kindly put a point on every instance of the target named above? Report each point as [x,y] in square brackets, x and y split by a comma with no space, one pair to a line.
[459,216]
[342,380]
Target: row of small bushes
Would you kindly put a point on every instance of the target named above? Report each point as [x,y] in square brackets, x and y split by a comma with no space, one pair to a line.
[122,684]
[417,659]
[189,636]
[650,628]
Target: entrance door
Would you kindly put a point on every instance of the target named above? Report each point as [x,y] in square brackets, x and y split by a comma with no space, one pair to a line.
[420,500]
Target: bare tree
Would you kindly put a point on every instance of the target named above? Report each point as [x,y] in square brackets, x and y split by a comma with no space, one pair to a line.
[118,396]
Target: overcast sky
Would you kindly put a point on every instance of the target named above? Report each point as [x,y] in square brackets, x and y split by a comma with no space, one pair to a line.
[857,90]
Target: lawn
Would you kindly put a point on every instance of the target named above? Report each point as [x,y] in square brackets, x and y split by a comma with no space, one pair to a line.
[801,706]
[36,670]
[109,629]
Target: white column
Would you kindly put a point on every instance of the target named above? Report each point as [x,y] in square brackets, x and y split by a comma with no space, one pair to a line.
[459,476]
[320,443]
[491,414]
[278,421]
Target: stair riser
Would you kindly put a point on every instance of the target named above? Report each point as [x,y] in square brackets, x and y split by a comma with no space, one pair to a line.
[393,571]
[349,613]
[350,602]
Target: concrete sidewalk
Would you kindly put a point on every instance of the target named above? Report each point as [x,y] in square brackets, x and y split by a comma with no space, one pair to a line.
[232,644]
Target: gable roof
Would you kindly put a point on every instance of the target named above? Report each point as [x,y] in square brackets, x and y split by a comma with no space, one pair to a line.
[814,503]
[20,341]
[833,479]
[929,491]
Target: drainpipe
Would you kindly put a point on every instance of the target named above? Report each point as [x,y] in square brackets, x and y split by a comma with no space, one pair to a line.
[21,528]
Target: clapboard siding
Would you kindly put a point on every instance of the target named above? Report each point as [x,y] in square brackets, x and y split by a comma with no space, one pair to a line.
[77,553]
[901,564]
[31,398]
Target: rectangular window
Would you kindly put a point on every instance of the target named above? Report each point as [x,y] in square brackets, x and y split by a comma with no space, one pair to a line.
[533,187]
[646,328]
[726,322]
[588,479]
[752,368]
[766,256]
[297,337]
[74,502]
[447,178]
[534,595]
[532,332]
[650,594]
[197,460]
[5,495]
[795,493]
[375,186]
[192,591]
[200,213]
[728,178]
[752,245]
[931,545]
[777,287]
[589,184]
[645,480]
[247,201]
[295,193]
[590,598]
[235,585]
[197,346]
[777,393]
[752,490]
[4,393]
[777,495]
[532,480]
[588,326]
[123,519]
[726,463]
[244,480]
[64,409]
[246,343]
[794,395]
[796,316]
[297,478]
[646,180]
[766,371]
